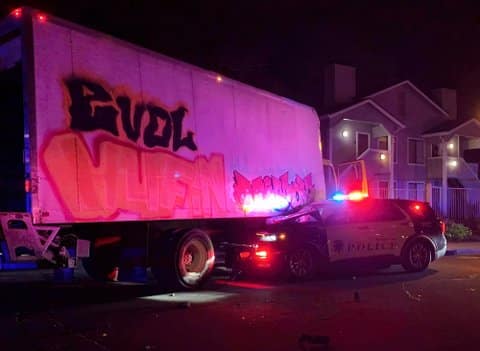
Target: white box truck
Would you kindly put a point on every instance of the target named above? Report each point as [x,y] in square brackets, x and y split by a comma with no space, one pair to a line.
[147,158]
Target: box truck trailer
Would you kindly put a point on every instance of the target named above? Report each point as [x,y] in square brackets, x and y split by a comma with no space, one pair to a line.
[123,157]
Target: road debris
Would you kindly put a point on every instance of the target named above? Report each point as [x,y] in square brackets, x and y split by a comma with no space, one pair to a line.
[415,297]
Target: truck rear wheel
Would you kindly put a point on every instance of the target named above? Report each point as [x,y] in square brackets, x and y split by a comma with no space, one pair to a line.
[185,262]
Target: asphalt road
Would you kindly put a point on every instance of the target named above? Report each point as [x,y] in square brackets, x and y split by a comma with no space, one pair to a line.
[438,309]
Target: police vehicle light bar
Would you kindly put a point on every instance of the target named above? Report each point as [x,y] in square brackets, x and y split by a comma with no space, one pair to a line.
[353,196]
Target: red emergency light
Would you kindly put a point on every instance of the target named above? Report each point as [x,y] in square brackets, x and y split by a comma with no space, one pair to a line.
[353,196]
[28,185]
[417,209]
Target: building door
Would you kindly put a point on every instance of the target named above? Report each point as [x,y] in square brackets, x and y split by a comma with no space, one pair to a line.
[363,143]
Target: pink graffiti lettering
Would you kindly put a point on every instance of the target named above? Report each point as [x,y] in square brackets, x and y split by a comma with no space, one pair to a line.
[117,178]
[297,192]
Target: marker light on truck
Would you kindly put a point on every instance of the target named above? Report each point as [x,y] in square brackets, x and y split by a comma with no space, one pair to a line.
[28,185]
[41,17]
[17,13]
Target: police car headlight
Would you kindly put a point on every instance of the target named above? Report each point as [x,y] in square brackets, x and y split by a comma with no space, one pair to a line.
[271,237]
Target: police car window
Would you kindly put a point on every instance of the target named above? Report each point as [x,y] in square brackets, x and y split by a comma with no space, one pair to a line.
[338,217]
[376,212]
[359,215]
[389,212]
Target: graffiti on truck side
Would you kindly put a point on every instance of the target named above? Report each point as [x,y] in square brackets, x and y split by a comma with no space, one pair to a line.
[267,193]
[130,168]
[116,177]
[93,107]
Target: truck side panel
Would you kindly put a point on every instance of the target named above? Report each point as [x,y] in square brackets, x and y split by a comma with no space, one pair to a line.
[126,134]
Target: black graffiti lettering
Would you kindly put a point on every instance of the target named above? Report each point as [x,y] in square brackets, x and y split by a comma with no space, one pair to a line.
[150,138]
[85,115]
[178,141]
[131,128]
[93,108]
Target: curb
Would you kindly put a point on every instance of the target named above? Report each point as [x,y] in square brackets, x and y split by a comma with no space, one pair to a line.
[457,252]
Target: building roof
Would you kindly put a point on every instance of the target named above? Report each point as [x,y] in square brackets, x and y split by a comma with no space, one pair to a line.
[349,107]
[454,127]
[418,91]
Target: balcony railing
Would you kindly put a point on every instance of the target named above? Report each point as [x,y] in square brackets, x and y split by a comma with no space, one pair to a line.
[462,203]
[377,161]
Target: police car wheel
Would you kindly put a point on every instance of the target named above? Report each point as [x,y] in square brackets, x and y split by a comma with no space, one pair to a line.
[301,263]
[416,257]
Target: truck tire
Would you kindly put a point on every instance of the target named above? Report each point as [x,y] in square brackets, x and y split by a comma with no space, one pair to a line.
[417,256]
[102,262]
[184,261]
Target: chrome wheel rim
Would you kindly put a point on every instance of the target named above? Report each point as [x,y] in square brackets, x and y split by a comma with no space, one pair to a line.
[301,263]
[193,261]
[419,256]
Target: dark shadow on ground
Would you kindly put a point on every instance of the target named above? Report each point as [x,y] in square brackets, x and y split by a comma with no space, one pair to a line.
[347,277]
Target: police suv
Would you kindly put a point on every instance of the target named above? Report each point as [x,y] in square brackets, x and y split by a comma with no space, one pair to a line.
[380,232]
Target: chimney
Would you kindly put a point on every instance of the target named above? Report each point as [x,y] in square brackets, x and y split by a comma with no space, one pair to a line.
[447,100]
[340,84]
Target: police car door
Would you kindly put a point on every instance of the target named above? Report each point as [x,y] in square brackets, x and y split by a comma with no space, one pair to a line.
[391,228]
[349,232]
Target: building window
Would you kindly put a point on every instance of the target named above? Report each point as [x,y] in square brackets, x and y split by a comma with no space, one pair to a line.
[416,191]
[363,142]
[416,154]
[382,142]
[436,150]
[383,189]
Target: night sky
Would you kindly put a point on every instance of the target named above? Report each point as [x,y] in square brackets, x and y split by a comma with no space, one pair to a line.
[282,46]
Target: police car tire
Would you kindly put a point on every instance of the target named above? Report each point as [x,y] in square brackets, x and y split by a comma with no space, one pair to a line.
[416,256]
[301,263]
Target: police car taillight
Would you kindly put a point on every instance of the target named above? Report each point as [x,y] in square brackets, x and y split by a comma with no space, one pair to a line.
[261,254]
[443,227]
